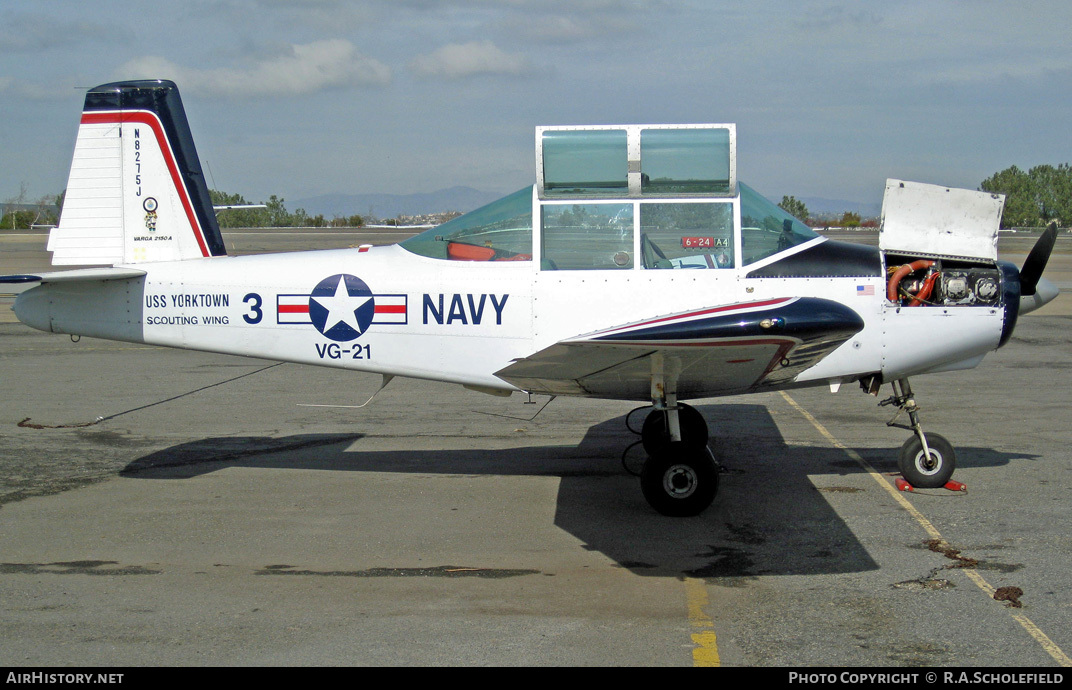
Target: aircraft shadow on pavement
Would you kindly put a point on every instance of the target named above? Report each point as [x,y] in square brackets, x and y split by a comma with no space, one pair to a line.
[774,514]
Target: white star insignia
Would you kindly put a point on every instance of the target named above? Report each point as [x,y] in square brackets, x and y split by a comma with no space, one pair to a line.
[342,307]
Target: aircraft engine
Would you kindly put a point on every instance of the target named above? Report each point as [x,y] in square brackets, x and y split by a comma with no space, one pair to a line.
[969,286]
[944,283]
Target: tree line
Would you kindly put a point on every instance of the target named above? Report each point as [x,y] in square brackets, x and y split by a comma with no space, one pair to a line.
[1034,198]
[799,210]
[18,214]
[273,215]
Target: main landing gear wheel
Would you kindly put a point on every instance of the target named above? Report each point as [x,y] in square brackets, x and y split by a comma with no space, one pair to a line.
[927,470]
[682,481]
[655,434]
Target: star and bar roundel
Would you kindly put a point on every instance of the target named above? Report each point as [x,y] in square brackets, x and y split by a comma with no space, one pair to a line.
[341,307]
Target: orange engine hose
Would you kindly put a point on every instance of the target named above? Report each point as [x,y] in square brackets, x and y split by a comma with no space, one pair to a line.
[925,291]
[894,285]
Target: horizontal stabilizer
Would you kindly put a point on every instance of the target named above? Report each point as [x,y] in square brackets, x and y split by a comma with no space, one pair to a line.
[20,278]
[78,274]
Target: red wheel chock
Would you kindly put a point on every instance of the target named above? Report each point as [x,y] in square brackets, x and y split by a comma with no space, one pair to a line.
[951,485]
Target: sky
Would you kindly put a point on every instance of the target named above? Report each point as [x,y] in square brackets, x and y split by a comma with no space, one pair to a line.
[300,98]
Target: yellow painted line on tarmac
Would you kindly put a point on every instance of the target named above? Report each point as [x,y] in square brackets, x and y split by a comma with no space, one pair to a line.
[705,651]
[1033,630]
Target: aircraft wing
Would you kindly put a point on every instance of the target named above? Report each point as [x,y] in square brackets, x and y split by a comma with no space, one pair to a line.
[729,349]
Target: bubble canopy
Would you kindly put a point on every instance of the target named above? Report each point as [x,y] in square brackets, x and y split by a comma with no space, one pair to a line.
[629,197]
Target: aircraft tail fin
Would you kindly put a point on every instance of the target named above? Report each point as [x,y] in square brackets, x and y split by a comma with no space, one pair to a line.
[136,192]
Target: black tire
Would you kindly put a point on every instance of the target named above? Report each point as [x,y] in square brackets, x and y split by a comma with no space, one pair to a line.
[655,433]
[681,482]
[921,472]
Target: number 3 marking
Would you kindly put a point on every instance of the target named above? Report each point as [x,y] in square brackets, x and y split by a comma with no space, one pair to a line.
[255,314]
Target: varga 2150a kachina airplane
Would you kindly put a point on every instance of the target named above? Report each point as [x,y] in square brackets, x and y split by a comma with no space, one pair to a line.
[637,267]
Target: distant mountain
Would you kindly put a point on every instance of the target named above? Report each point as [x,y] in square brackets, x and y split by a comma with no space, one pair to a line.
[383,206]
[818,206]
[464,199]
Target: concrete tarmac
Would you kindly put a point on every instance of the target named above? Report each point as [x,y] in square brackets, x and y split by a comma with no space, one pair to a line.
[165,507]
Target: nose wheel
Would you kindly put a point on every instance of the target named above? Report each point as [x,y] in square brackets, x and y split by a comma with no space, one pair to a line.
[929,468]
[926,461]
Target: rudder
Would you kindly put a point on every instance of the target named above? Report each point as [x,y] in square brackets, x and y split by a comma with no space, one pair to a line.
[136,192]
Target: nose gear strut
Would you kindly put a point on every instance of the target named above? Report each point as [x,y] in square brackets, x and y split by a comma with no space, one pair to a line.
[926,461]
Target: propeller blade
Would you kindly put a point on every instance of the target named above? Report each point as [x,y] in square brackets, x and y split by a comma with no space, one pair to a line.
[1036,261]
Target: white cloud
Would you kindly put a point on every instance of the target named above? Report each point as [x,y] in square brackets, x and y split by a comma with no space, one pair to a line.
[33,32]
[28,91]
[546,26]
[305,68]
[460,60]
[834,18]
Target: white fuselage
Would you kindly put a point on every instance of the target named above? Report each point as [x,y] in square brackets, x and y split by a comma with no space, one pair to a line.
[462,321]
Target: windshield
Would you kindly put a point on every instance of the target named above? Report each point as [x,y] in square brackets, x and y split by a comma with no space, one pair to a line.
[500,231]
[766,229]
